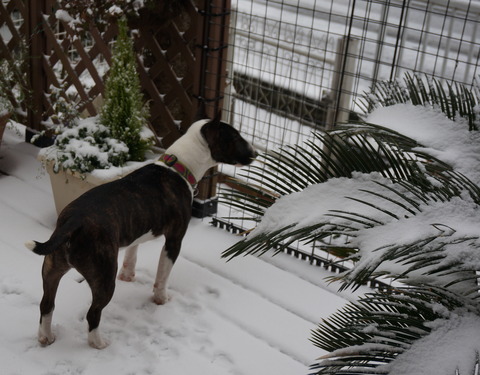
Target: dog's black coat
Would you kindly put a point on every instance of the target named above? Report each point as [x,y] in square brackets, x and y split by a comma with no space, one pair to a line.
[99,214]
[154,199]
[91,229]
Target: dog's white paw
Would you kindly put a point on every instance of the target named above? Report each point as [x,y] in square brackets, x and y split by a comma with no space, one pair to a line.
[45,340]
[126,276]
[45,334]
[95,341]
[160,297]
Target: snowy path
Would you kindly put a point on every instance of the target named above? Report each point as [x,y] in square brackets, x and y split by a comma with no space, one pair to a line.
[248,316]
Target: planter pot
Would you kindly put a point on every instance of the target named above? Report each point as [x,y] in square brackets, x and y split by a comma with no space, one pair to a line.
[68,185]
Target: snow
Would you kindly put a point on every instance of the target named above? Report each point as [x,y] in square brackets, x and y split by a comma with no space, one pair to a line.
[115,10]
[249,316]
[444,139]
[305,208]
[461,327]
[63,16]
[76,148]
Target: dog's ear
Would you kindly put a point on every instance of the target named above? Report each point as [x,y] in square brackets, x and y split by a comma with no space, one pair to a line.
[212,131]
[218,117]
[201,112]
[209,131]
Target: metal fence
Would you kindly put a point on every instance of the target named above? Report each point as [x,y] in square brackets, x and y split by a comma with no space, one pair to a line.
[292,62]
[299,66]
[291,66]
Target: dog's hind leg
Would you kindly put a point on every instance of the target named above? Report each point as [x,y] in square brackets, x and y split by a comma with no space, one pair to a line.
[127,273]
[167,259]
[54,267]
[101,280]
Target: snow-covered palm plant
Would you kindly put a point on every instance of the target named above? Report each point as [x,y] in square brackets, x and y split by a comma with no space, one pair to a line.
[453,99]
[400,199]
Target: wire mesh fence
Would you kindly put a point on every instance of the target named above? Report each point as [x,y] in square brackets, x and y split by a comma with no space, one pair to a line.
[299,66]
[288,65]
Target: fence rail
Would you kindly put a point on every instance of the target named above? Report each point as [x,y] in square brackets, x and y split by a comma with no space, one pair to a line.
[315,259]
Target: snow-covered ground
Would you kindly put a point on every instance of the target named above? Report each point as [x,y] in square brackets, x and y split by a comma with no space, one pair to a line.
[249,316]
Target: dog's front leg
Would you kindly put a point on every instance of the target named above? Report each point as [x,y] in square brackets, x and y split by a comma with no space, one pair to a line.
[167,258]
[165,265]
[127,273]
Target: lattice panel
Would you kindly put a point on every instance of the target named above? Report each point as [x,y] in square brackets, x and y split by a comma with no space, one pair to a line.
[168,71]
[60,62]
[165,59]
[12,16]
[13,27]
[76,67]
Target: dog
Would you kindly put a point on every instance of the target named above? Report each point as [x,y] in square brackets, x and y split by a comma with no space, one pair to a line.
[152,201]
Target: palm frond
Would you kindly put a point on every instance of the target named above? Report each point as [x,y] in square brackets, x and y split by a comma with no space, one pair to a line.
[359,148]
[453,99]
[365,337]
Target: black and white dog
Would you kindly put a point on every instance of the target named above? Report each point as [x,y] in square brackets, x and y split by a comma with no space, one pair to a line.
[155,200]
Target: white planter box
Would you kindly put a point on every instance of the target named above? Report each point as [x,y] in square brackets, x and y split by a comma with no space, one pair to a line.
[68,186]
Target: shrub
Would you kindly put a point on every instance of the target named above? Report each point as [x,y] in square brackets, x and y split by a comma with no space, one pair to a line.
[86,146]
[123,112]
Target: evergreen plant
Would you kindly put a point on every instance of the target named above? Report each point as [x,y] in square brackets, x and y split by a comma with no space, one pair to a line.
[123,112]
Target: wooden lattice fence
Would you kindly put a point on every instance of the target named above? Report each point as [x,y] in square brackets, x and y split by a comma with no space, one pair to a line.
[181,60]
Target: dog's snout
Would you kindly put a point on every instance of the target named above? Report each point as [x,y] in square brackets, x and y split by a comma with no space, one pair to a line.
[249,155]
[253,155]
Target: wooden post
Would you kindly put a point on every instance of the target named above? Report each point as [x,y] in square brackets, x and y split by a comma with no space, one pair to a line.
[342,83]
[37,48]
[211,56]
[37,77]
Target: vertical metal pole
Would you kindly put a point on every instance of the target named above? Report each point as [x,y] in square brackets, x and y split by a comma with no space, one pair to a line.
[210,85]
[398,43]
[342,88]
[228,110]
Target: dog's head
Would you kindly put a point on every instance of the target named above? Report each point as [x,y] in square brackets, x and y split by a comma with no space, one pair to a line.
[226,144]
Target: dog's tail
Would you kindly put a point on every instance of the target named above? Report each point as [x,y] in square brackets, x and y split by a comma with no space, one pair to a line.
[58,240]
[39,248]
